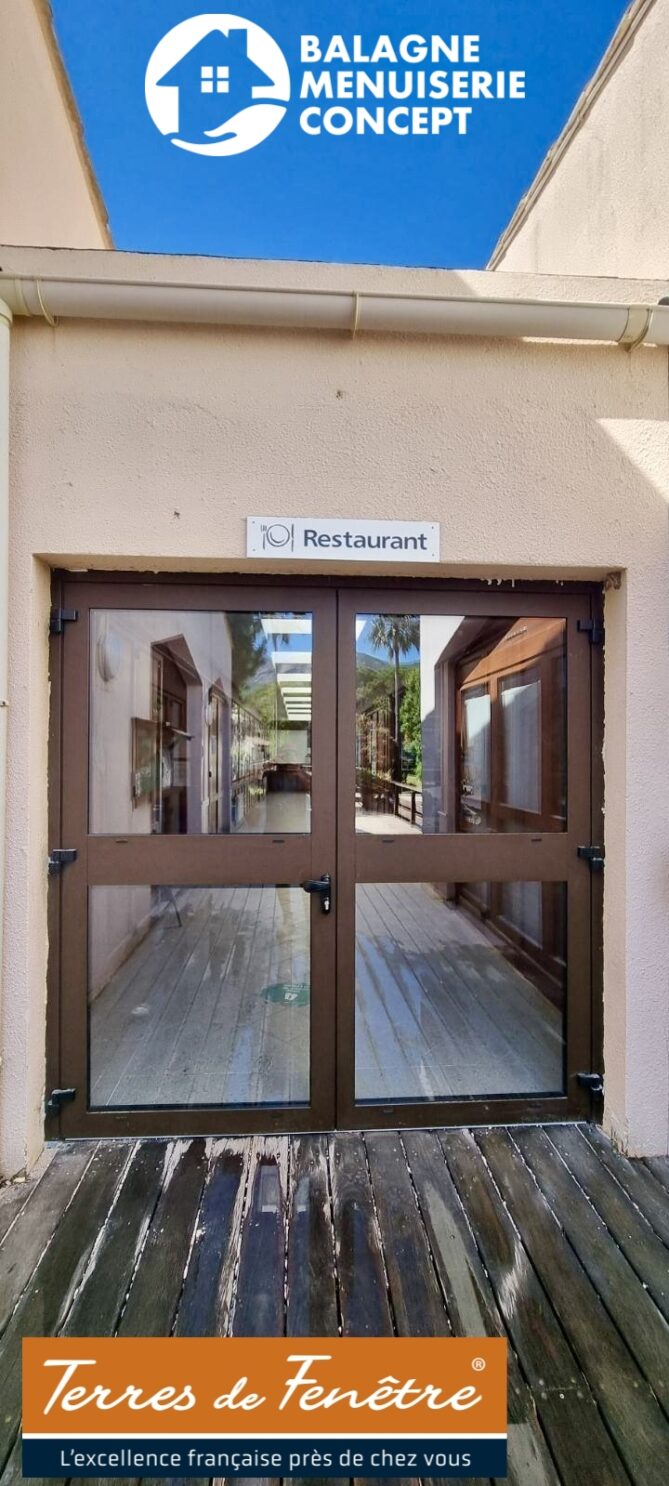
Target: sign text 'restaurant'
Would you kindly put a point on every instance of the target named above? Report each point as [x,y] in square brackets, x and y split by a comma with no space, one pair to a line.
[287,537]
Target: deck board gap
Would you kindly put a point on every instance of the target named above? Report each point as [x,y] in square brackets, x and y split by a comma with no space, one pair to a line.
[328,1169]
[382,1242]
[167,1164]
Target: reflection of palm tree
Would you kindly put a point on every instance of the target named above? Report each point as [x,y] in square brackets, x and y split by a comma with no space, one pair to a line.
[398,634]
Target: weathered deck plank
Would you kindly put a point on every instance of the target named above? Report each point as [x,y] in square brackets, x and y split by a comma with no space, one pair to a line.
[36,1224]
[639,1322]
[259,1301]
[415,1294]
[631,1231]
[471,1303]
[206,1301]
[579,1439]
[259,1304]
[156,1286]
[640,1186]
[99,1301]
[363,1294]
[14,1194]
[545,1236]
[416,1298]
[311,1287]
[311,1299]
[628,1404]
[659,1168]
[45,1302]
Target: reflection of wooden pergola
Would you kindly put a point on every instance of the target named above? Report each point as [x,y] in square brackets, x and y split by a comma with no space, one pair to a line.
[380,787]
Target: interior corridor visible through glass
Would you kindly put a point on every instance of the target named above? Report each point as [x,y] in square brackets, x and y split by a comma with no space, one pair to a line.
[200,722]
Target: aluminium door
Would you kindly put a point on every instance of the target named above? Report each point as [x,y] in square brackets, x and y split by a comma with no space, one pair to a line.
[419,759]
[464,908]
[198,791]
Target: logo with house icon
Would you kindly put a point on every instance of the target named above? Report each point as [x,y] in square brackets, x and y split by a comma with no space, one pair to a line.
[217,85]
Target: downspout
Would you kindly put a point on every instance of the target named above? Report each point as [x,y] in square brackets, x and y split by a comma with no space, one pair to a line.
[5,329]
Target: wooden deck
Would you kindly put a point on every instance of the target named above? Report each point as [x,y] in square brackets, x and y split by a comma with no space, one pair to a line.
[188,1018]
[543,1235]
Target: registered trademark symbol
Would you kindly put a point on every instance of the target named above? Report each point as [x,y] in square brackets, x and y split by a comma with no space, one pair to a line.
[478,1364]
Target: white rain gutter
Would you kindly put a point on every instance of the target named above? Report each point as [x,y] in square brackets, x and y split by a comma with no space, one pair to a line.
[5,328]
[53,298]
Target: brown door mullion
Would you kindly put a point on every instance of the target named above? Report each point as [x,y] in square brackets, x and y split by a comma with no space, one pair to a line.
[579,1052]
[199,861]
[323,857]
[347,864]
[511,856]
[73,884]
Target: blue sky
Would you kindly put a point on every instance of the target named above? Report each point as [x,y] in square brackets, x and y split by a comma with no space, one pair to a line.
[428,201]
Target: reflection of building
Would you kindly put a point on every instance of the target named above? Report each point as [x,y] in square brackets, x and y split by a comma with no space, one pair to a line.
[493,759]
[176,750]
[505,685]
[226,773]
[499,693]
[161,714]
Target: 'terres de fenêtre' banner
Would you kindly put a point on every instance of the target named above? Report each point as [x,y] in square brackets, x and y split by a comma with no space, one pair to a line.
[270,1406]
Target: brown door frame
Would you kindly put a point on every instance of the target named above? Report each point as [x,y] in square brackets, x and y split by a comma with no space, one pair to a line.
[193,860]
[513,856]
[423,859]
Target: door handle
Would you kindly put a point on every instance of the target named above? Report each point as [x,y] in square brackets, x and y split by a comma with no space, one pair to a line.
[322,886]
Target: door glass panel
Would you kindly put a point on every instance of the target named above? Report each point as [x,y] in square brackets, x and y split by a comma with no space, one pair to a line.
[198,996]
[460,990]
[200,722]
[461,724]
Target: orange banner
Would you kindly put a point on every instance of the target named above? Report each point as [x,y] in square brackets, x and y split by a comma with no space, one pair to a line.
[264,1387]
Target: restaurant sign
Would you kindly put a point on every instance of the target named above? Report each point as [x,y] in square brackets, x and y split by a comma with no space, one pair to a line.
[334,539]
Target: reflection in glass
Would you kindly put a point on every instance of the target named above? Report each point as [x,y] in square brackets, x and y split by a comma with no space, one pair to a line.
[200,722]
[198,996]
[461,724]
[460,990]
[475,755]
[520,697]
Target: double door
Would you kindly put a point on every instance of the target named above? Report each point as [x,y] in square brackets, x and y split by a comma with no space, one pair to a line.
[327,863]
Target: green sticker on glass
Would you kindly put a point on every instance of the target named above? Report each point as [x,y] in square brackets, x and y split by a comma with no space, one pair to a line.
[288,993]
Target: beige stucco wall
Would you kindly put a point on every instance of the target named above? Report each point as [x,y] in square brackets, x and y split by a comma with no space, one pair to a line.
[604,208]
[47,191]
[147,446]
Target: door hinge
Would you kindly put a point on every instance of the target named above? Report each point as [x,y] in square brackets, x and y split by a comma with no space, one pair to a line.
[592,1081]
[592,627]
[57,1098]
[61,856]
[61,617]
[593,855]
